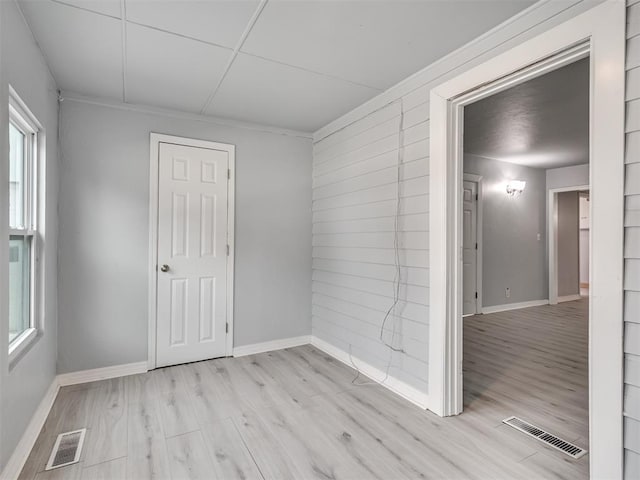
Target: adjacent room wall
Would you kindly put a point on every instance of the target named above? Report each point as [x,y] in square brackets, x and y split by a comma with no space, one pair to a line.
[514,251]
[568,244]
[574,176]
[104,232]
[23,384]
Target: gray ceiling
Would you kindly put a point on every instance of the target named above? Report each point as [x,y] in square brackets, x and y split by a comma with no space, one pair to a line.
[291,64]
[542,123]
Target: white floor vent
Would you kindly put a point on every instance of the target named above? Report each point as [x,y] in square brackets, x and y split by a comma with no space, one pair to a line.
[67,449]
[551,440]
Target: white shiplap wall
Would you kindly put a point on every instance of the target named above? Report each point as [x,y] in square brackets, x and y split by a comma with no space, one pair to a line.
[632,248]
[354,191]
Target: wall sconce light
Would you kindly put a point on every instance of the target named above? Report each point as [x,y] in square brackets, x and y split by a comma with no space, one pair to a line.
[515,188]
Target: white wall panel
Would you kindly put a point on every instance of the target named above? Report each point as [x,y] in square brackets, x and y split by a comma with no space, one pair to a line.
[632,434]
[632,369]
[355,199]
[632,248]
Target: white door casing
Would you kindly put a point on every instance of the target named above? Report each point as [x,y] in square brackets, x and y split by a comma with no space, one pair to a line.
[191,243]
[469,246]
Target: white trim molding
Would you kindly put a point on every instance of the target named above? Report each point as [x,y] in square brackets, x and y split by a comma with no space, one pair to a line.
[602,30]
[20,454]
[406,391]
[104,373]
[166,112]
[514,306]
[155,140]
[270,346]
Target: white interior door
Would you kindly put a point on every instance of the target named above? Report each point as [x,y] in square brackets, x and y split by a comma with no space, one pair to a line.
[469,247]
[192,254]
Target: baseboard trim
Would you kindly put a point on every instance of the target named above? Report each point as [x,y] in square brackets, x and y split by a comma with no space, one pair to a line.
[514,306]
[271,345]
[20,454]
[397,386]
[93,375]
[569,298]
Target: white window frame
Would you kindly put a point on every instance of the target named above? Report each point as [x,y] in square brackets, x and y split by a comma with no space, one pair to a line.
[22,118]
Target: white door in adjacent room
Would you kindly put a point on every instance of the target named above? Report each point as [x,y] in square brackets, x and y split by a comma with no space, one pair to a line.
[469,247]
[192,254]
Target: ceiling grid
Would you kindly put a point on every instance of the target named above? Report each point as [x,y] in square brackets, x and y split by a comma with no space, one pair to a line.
[291,65]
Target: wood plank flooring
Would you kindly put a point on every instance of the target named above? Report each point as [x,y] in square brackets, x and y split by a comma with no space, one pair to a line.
[295,414]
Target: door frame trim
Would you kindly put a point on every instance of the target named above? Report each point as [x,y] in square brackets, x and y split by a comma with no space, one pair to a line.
[477,179]
[552,237]
[154,151]
[603,27]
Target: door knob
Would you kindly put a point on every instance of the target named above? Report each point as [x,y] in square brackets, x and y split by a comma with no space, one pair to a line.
[164,268]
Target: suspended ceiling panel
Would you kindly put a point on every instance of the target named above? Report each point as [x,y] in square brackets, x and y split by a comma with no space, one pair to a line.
[302,63]
[219,22]
[276,94]
[374,43]
[168,71]
[106,7]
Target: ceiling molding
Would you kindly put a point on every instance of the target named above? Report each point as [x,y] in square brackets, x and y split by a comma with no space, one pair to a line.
[236,50]
[166,112]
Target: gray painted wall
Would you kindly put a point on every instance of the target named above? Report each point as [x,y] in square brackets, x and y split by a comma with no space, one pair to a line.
[575,176]
[512,255]
[568,244]
[104,232]
[23,384]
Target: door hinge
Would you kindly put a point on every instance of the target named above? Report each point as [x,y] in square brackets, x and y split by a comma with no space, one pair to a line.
[227,250]
[228,173]
[226,328]
[476,246]
[477,198]
[476,294]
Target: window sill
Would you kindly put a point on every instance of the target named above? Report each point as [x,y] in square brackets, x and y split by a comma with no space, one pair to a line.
[21,343]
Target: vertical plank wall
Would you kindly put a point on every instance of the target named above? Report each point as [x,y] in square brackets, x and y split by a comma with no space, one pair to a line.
[353,208]
[632,247]
[355,191]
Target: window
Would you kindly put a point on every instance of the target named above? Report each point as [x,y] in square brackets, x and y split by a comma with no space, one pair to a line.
[23,225]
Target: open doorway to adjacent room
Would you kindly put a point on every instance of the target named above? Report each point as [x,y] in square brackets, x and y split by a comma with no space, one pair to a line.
[525,334]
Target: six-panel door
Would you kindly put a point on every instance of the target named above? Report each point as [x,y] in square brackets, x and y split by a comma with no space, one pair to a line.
[192,254]
[469,247]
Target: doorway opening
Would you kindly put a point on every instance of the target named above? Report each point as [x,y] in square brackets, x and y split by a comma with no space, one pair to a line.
[598,34]
[521,356]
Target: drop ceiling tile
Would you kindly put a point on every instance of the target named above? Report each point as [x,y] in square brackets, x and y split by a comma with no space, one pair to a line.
[105,7]
[270,93]
[221,21]
[83,50]
[171,71]
[376,43]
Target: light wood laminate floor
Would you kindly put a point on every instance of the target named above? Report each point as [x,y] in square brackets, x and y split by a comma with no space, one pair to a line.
[295,414]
